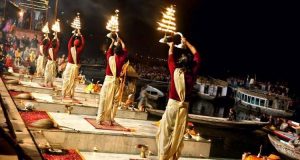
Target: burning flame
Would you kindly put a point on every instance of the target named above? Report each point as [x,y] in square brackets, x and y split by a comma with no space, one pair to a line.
[167,24]
[76,24]
[113,23]
[45,29]
[56,26]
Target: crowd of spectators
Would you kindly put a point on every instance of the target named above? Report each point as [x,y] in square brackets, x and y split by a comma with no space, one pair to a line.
[277,88]
[147,67]
[19,52]
[92,61]
[151,68]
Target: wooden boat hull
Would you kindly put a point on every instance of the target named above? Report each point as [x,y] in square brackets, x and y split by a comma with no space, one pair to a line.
[284,148]
[284,135]
[206,97]
[218,122]
[269,111]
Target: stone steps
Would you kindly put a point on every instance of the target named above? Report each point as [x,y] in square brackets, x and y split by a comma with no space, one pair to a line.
[85,137]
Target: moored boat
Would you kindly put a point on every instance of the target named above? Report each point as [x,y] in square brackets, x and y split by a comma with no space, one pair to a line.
[264,102]
[218,122]
[154,93]
[284,147]
[287,136]
[210,88]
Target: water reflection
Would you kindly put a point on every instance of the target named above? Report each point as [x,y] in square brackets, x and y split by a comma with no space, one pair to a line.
[228,143]
[206,108]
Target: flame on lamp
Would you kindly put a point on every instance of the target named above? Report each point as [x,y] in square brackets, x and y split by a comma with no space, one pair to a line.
[113,24]
[76,24]
[56,26]
[21,13]
[167,23]
[45,29]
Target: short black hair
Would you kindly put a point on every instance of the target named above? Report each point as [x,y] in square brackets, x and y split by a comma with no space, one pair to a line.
[179,63]
[45,41]
[118,49]
[54,41]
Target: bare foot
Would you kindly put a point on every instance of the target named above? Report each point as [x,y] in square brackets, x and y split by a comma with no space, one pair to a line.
[99,122]
[49,85]
[106,123]
[113,123]
[67,99]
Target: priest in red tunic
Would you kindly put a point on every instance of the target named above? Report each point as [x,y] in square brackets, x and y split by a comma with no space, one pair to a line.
[44,47]
[75,49]
[51,66]
[108,103]
[172,127]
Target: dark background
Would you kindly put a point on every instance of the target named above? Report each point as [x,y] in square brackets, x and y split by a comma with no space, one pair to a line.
[237,38]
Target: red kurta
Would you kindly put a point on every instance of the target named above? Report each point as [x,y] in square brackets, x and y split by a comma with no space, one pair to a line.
[45,48]
[120,60]
[78,50]
[55,50]
[189,78]
[9,62]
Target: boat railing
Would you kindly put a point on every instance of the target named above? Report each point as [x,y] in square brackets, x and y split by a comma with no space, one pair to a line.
[154,81]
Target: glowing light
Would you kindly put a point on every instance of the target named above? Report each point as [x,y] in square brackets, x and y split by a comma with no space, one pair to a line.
[45,29]
[113,24]
[167,23]
[21,13]
[76,24]
[56,26]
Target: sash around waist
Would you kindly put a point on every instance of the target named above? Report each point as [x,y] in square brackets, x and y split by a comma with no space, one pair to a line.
[173,101]
[111,78]
[72,64]
[50,60]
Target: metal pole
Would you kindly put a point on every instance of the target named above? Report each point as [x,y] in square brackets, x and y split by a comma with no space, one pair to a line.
[4,14]
[55,12]
[47,14]
[30,24]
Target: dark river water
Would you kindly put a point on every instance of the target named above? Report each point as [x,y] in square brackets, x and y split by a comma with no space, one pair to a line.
[228,143]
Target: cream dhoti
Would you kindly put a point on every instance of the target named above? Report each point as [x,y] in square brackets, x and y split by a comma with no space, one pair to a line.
[40,68]
[69,79]
[50,71]
[108,103]
[173,123]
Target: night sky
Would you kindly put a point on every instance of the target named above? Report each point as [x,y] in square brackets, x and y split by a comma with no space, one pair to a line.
[233,37]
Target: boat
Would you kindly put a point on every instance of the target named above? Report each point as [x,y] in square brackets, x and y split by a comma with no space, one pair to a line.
[210,88]
[154,93]
[218,122]
[284,147]
[264,102]
[287,136]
